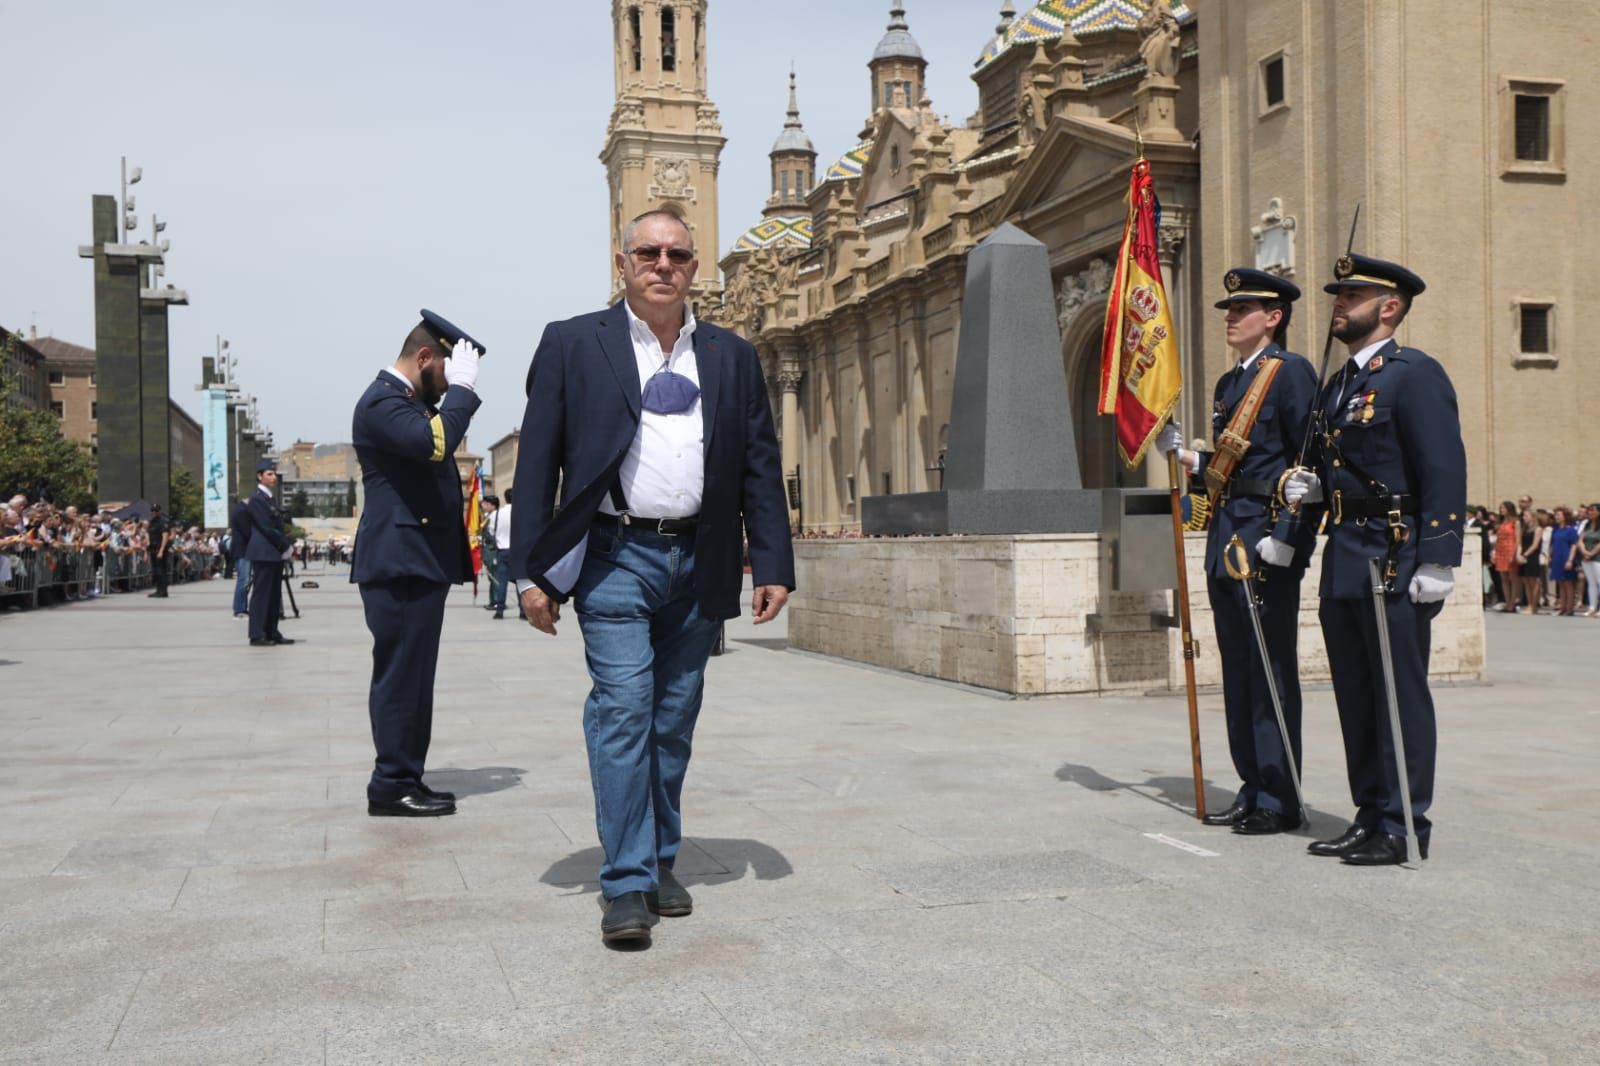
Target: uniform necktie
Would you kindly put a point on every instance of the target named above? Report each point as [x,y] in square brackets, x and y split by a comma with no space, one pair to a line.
[667,393]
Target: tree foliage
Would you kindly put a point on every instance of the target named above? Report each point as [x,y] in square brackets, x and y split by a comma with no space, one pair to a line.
[300,503]
[36,459]
[188,503]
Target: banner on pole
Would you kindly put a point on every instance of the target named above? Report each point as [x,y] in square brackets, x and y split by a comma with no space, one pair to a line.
[214,432]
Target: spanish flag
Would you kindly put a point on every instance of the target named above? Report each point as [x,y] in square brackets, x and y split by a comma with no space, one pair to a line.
[1140,374]
[475,525]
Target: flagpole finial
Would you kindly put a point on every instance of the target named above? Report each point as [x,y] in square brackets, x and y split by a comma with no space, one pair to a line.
[1138,137]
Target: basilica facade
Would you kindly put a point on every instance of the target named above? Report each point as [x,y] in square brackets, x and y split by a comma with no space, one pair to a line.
[1267,120]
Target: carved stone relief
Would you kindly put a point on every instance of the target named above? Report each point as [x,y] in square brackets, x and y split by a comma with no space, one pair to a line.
[1078,290]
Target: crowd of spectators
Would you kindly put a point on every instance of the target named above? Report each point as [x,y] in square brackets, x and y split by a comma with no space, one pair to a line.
[1538,560]
[51,554]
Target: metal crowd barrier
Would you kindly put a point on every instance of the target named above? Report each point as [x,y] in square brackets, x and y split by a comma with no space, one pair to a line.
[48,575]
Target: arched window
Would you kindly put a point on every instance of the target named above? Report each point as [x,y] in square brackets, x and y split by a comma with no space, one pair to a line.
[785,184]
[894,159]
[634,37]
[669,39]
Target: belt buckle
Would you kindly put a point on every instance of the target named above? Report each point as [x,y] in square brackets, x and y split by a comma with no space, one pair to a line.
[661,528]
[1338,506]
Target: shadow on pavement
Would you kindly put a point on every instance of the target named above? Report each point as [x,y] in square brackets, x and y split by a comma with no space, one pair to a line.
[475,782]
[1178,794]
[732,857]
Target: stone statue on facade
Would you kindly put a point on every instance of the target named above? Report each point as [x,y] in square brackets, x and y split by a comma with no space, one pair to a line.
[1159,48]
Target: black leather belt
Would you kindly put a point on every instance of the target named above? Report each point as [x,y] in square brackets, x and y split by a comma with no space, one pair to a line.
[1342,506]
[1243,486]
[667,527]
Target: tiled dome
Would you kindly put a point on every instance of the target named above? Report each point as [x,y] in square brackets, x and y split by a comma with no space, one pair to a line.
[1087,17]
[897,43]
[849,165]
[791,232]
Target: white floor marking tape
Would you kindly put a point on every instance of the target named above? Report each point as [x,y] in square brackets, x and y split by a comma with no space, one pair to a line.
[1181,845]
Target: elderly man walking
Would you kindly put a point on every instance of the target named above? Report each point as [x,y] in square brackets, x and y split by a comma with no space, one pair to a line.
[657,429]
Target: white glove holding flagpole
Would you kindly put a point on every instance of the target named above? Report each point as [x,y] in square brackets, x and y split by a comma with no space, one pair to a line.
[1170,438]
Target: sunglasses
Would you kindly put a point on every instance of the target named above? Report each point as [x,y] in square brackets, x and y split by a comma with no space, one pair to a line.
[650,255]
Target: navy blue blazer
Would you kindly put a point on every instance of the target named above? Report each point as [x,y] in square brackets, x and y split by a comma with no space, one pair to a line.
[412,524]
[1411,444]
[1274,444]
[267,542]
[581,419]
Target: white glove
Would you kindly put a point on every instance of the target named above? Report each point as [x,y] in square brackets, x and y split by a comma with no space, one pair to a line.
[462,367]
[1169,438]
[1274,552]
[1302,486]
[1432,583]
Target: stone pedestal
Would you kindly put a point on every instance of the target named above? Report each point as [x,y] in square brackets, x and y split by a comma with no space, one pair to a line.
[1026,615]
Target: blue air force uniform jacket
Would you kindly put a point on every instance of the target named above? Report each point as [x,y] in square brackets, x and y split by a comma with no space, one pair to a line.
[1246,510]
[1391,429]
[265,542]
[411,524]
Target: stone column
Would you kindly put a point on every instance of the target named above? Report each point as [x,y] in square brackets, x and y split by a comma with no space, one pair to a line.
[1170,240]
[789,377]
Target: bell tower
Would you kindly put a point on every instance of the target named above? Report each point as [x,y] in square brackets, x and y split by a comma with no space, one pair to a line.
[664,141]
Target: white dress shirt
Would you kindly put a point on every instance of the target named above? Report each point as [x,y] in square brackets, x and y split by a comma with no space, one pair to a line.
[500,528]
[664,473]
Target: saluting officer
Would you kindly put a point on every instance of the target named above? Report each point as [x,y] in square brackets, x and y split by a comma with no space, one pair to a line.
[264,548]
[413,547]
[1392,471]
[1259,411]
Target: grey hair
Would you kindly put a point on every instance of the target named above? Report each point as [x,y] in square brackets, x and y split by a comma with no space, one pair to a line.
[654,212]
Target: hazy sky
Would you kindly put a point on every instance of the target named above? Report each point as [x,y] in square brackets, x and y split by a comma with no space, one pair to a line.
[328,168]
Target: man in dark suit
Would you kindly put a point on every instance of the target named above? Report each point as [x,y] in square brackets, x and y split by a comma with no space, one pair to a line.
[1391,468]
[658,431]
[1278,542]
[264,548]
[238,541]
[412,546]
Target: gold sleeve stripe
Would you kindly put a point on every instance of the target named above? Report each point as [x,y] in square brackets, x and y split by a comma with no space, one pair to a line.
[437,425]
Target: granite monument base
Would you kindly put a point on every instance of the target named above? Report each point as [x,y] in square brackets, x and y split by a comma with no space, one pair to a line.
[984,511]
[1025,614]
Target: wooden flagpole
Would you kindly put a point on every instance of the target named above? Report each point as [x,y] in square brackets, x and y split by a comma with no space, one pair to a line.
[1187,630]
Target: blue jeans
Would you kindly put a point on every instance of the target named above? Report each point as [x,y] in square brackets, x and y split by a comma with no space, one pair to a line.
[646,645]
[241,580]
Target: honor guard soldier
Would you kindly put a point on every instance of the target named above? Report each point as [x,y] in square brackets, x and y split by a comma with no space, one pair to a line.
[264,548]
[413,543]
[1259,408]
[1390,468]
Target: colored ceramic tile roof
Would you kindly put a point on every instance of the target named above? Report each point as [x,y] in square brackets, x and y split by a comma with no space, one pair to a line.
[850,164]
[791,231]
[1044,22]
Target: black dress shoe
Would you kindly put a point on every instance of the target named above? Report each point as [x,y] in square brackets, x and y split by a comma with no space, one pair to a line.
[1262,822]
[411,805]
[671,899]
[1232,816]
[627,918]
[448,797]
[1383,849]
[261,643]
[1342,844]
[498,615]
[282,640]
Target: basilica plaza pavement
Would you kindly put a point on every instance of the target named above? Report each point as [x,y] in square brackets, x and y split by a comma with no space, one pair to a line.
[885,869]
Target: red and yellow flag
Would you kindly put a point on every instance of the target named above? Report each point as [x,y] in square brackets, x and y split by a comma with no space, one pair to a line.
[475,524]
[1140,372]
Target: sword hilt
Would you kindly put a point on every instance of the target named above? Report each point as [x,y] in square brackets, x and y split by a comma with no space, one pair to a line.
[1236,560]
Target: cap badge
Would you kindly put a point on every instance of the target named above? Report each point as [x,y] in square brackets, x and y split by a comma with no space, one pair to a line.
[1344,267]
[1233,281]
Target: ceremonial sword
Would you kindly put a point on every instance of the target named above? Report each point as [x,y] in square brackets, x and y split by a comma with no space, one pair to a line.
[1379,589]
[1242,572]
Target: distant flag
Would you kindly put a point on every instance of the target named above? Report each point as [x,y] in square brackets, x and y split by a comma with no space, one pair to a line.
[474,524]
[1140,371]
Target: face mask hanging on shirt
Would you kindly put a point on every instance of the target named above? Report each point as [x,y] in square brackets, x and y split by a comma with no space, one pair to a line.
[667,393]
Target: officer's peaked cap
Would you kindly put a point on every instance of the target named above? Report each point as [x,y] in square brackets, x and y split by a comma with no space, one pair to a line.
[1244,283]
[1363,270]
[447,332]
